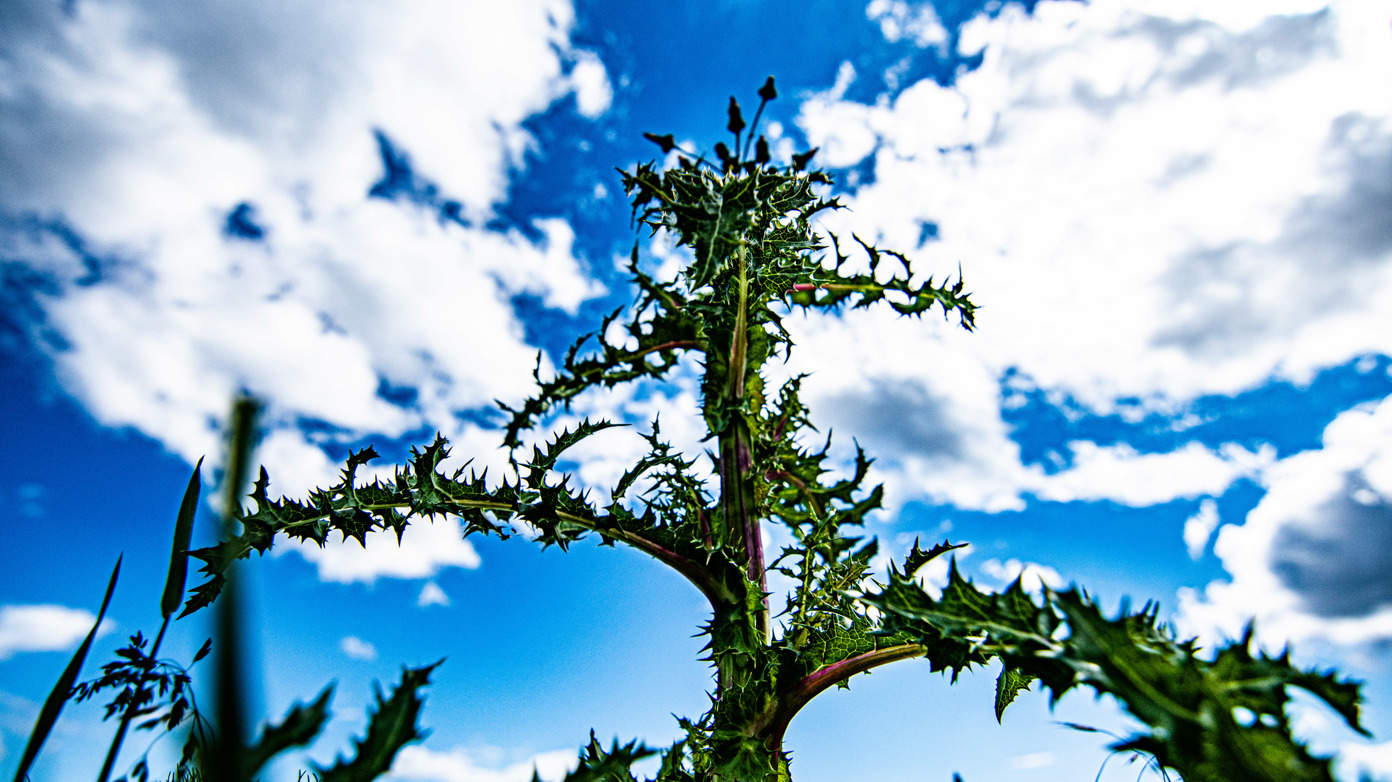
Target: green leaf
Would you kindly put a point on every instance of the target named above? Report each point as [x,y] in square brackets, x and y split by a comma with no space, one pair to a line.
[62,689]
[298,728]
[965,626]
[918,557]
[1008,685]
[830,289]
[661,454]
[801,159]
[1187,701]
[178,556]
[598,765]
[740,758]
[544,460]
[391,727]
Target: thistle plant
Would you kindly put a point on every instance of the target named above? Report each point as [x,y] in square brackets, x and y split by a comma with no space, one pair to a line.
[756,255]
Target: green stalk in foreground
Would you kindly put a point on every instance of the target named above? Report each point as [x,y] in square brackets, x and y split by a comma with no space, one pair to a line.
[170,601]
[211,754]
[748,223]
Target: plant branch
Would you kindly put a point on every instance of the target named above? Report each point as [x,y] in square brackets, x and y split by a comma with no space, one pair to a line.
[629,358]
[715,591]
[772,724]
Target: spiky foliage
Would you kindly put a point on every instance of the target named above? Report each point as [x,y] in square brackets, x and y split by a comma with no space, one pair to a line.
[1220,717]
[756,255]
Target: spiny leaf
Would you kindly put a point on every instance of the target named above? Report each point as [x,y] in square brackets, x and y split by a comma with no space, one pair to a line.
[598,765]
[918,557]
[1008,685]
[831,288]
[1187,702]
[391,727]
[544,460]
[661,454]
[298,728]
[739,758]
[801,159]
[62,689]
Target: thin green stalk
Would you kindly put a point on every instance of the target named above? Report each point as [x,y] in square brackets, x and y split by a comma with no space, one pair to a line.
[169,603]
[232,682]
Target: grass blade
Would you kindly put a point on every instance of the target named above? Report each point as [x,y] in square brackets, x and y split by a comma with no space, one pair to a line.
[178,558]
[53,706]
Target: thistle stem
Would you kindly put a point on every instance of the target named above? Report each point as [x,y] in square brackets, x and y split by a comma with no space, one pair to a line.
[773,723]
[737,474]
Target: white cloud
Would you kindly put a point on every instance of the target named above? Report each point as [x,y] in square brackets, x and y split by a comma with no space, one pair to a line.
[1120,474]
[899,20]
[930,411]
[146,122]
[425,548]
[1104,166]
[1199,528]
[1311,559]
[840,128]
[416,762]
[357,648]
[1149,203]
[1365,761]
[1033,576]
[432,595]
[45,628]
[590,80]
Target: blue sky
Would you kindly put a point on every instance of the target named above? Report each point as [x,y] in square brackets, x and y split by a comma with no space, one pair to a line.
[374,215]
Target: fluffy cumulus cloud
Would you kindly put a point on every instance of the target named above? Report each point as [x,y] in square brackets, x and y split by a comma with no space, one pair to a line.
[44,628]
[929,409]
[190,187]
[424,549]
[1311,560]
[416,762]
[1033,577]
[1154,201]
[899,20]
